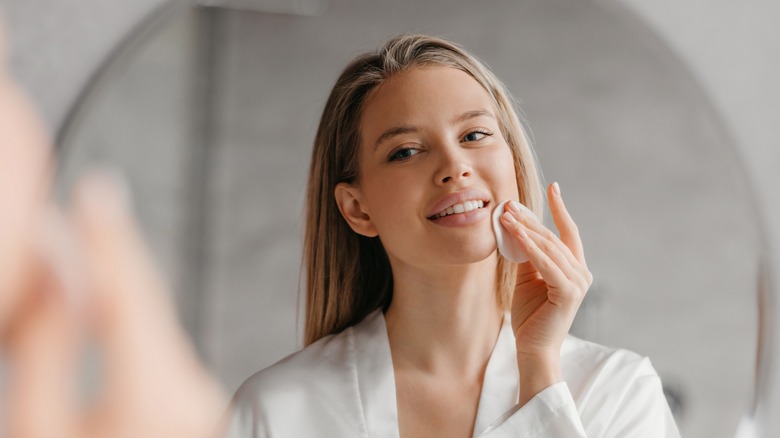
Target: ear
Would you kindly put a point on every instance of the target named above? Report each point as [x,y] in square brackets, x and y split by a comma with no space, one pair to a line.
[349,199]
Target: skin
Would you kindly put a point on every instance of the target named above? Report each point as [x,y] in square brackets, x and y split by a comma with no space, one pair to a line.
[78,274]
[445,318]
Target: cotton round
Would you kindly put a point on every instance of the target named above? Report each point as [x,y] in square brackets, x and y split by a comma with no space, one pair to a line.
[508,246]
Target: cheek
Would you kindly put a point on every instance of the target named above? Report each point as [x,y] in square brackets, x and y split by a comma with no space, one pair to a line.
[391,201]
[500,168]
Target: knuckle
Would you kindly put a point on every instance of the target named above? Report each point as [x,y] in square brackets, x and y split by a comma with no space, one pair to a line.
[583,288]
[574,293]
[546,264]
[579,292]
[549,235]
[546,246]
[552,246]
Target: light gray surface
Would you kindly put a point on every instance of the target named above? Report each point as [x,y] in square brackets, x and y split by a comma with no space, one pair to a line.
[55,45]
[140,125]
[747,98]
[732,49]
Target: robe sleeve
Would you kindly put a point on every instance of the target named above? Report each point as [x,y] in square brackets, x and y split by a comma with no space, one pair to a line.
[642,412]
[550,413]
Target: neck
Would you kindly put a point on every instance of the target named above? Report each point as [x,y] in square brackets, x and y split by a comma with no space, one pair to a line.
[444,320]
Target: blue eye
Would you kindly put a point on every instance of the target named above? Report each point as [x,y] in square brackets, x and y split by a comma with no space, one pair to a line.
[403,154]
[477,135]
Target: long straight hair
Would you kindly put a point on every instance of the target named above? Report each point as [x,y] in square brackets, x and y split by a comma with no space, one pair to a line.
[349,275]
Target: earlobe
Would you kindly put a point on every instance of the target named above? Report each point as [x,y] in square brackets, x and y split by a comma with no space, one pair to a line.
[349,201]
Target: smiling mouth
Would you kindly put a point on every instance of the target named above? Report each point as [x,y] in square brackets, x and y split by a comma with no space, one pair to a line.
[464,207]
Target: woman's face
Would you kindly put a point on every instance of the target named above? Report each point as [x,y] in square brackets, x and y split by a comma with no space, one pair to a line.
[431,145]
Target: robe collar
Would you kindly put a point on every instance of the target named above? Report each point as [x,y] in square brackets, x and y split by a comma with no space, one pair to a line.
[376,381]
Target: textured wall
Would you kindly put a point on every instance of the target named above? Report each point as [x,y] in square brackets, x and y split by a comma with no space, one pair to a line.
[732,49]
[55,45]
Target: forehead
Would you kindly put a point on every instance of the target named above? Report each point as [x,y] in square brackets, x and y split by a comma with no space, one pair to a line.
[422,95]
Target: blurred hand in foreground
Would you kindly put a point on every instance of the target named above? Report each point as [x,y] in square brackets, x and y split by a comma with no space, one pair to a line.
[84,275]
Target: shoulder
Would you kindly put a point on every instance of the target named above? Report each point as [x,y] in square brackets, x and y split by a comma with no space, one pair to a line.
[309,370]
[603,376]
[578,355]
[307,393]
[617,392]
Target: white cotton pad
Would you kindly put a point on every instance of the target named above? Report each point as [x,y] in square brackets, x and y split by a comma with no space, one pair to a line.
[507,245]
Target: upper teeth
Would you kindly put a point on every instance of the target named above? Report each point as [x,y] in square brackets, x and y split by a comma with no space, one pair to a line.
[460,208]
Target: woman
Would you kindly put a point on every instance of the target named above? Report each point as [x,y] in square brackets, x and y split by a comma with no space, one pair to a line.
[415,325]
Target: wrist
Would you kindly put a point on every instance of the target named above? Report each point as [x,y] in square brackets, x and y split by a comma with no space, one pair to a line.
[539,358]
[537,372]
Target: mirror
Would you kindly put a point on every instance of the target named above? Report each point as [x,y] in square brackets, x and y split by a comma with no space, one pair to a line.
[210,112]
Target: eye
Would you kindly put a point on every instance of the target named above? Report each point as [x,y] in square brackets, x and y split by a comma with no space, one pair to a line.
[477,135]
[403,154]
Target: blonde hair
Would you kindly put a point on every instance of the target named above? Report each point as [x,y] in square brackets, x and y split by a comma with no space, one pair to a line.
[348,275]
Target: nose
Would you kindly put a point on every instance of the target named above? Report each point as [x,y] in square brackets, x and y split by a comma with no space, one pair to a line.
[454,165]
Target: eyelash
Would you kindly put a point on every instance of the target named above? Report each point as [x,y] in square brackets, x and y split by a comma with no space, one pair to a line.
[394,156]
[483,131]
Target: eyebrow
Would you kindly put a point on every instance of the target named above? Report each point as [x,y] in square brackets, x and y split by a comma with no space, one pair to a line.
[392,132]
[474,114]
[406,129]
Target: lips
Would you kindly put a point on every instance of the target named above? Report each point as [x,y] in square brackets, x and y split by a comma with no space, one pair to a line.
[460,208]
[459,202]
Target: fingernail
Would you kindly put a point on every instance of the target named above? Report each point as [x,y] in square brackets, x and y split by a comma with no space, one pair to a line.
[514,206]
[508,217]
[556,189]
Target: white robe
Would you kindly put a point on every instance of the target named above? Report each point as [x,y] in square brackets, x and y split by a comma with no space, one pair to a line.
[343,386]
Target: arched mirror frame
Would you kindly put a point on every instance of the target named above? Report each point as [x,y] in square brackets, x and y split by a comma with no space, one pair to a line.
[755,417]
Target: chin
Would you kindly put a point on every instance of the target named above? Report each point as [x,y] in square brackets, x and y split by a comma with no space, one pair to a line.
[466,254]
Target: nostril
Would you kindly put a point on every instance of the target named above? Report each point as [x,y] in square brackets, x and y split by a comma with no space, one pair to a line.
[456,175]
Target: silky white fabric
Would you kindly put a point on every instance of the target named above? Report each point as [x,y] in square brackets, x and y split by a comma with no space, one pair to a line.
[343,386]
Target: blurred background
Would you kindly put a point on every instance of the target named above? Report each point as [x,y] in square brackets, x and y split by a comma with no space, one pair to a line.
[655,118]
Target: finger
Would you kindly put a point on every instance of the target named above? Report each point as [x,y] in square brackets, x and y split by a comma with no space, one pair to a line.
[557,252]
[24,180]
[127,292]
[570,235]
[549,270]
[43,342]
[534,224]
[554,254]
[146,351]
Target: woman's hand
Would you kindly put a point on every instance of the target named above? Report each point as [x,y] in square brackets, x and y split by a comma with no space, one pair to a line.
[548,292]
[66,279]
[24,174]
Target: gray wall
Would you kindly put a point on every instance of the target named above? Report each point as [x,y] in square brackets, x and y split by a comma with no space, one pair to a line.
[56,45]
[732,48]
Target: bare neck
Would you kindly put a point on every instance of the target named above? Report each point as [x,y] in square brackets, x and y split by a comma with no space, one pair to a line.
[444,320]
